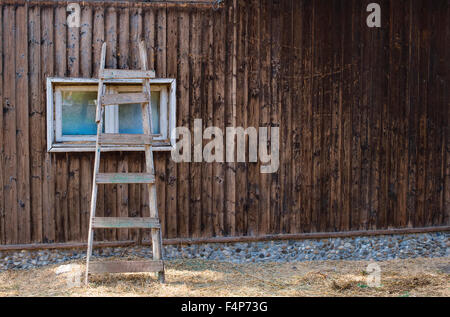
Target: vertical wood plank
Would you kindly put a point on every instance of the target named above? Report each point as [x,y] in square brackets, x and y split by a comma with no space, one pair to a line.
[446,203]
[412,101]
[346,132]
[123,195]
[48,178]
[365,84]
[111,159]
[264,114]
[306,116]
[171,167]
[317,108]
[124,62]
[356,118]
[207,115]
[9,126]
[230,113]
[218,118]
[183,120]
[336,119]
[2,200]
[276,112]
[36,120]
[158,35]
[241,77]
[253,115]
[22,126]
[73,203]
[62,168]
[195,66]
[326,113]
[86,162]
[134,160]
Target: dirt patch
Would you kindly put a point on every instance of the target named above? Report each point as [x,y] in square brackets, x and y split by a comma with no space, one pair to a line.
[418,277]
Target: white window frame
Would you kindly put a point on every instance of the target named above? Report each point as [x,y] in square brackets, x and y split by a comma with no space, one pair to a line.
[57,142]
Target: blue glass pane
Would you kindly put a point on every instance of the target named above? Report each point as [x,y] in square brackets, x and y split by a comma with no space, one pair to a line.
[78,112]
[130,116]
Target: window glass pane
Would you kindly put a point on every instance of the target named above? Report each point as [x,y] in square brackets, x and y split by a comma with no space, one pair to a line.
[78,112]
[130,116]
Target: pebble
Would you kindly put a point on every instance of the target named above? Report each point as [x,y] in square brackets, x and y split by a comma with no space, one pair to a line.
[377,248]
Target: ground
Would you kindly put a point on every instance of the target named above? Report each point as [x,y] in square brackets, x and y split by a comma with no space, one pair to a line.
[410,277]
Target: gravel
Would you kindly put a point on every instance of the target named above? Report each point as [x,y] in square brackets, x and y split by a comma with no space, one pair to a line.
[377,248]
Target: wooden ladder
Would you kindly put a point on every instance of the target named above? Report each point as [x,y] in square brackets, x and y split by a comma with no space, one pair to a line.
[119,140]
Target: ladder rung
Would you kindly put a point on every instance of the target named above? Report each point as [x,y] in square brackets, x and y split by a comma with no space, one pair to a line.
[124,178]
[126,266]
[126,74]
[125,222]
[120,99]
[124,139]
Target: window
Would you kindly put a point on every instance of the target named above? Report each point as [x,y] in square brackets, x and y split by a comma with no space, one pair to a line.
[71,106]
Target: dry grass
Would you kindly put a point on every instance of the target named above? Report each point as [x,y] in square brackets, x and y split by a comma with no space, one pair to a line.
[418,277]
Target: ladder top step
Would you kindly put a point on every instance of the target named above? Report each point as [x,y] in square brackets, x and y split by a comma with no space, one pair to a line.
[125,222]
[124,139]
[126,266]
[120,99]
[125,178]
[126,74]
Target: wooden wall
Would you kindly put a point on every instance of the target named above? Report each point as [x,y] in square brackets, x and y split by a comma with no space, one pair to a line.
[363,115]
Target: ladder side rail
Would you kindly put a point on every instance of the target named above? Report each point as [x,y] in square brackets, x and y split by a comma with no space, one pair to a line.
[100,91]
[99,121]
[150,168]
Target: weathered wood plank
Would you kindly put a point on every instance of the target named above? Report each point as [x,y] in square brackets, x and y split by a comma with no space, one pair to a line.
[366,85]
[254,91]
[125,222]
[183,120]
[86,164]
[317,107]
[111,159]
[264,114]
[22,131]
[122,195]
[403,116]
[355,216]
[275,198]
[125,178]
[118,99]
[207,110]
[325,15]
[48,176]
[73,196]
[158,35]
[126,74]
[125,139]
[195,66]
[335,205]
[62,160]
[126,267]
[306,116]
[134,195]
[2,200]
[9,162]
[136,26]
[171,167]
[124,43]
[218,118]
